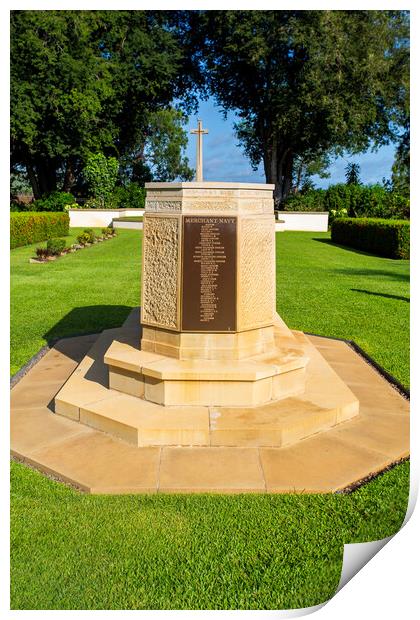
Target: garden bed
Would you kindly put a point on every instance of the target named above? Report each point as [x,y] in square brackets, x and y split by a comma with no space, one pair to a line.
[56,247]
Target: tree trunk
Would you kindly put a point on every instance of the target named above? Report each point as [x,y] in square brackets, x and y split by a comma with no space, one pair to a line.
[278,168]
[287,174]
[46,173]
[69,176]
[42,176]
[33,180]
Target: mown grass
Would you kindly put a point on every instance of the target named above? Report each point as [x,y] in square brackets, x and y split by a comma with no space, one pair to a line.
[72,551]
[334,291]
[85,292]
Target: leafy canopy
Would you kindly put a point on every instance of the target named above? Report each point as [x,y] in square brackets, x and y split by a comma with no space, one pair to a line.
[85,82]
[306,82]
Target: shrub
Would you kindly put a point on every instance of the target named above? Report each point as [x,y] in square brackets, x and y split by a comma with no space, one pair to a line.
[375,201]
[55,246]
[312,200]
[90,234]
[399,205]
[343,196]
[335,213]
[367,201]
[130,197]
[389,238]
[101,174]
[107,232]
[41,252]
[84,238]
[56,201]
[26,228]
[96,203]
[21,207]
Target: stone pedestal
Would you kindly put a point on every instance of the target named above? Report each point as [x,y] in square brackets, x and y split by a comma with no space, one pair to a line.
[207,362]
[208,300]
[208,280]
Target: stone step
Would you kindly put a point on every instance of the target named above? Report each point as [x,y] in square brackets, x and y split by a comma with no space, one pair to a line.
[173,382]
[87,398]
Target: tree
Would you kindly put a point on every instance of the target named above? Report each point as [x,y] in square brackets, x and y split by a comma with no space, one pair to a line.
[166,139]
[352,174]
[85,82]
[304,81]
[159,156]
[306,166]
[101,174]
[401,167]
[19,184]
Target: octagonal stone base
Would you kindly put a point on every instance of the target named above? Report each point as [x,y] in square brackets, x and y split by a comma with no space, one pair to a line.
[243,383]
[266,403]
[223,455]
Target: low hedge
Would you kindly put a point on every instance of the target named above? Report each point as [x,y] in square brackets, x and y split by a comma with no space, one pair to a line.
[27,228]
[389,238]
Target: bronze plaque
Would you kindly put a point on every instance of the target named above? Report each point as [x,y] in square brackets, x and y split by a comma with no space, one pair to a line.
[209,274]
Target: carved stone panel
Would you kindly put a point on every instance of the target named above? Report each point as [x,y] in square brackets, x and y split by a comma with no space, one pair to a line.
[256,272]
[173,206]
[160,286]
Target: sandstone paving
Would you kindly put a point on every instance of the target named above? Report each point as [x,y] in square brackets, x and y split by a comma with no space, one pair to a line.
[201,470]
[318,465]
[98,462]
[101,464]
[35,428]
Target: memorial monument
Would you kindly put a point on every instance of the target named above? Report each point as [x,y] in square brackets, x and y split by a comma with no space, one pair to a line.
[212,363]
[205,388]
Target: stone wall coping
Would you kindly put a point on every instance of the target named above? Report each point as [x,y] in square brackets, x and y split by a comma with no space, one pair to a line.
[108,210]
[208,185]
[304,212]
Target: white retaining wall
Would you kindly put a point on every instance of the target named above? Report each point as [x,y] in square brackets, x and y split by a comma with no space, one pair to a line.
[313,221]
[135,225]
[84,218]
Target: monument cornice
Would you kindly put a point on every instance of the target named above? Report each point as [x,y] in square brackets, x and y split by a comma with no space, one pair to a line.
[169,186]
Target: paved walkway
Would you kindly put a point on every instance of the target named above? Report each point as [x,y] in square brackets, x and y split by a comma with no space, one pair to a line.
[99,463]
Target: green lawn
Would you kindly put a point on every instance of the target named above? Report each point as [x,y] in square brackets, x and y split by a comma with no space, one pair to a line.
[71,550]
[333,291]
[85,292]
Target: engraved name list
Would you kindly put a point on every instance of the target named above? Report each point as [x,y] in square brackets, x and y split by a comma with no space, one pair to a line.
[209,274]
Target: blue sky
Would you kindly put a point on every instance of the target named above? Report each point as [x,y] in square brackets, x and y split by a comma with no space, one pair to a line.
[224,160]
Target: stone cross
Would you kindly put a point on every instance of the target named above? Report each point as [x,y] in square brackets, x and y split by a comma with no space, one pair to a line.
[199,168]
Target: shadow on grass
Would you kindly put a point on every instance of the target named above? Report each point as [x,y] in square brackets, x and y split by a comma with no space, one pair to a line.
[84,320]
[393,275]
[387,295]
[346,248]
